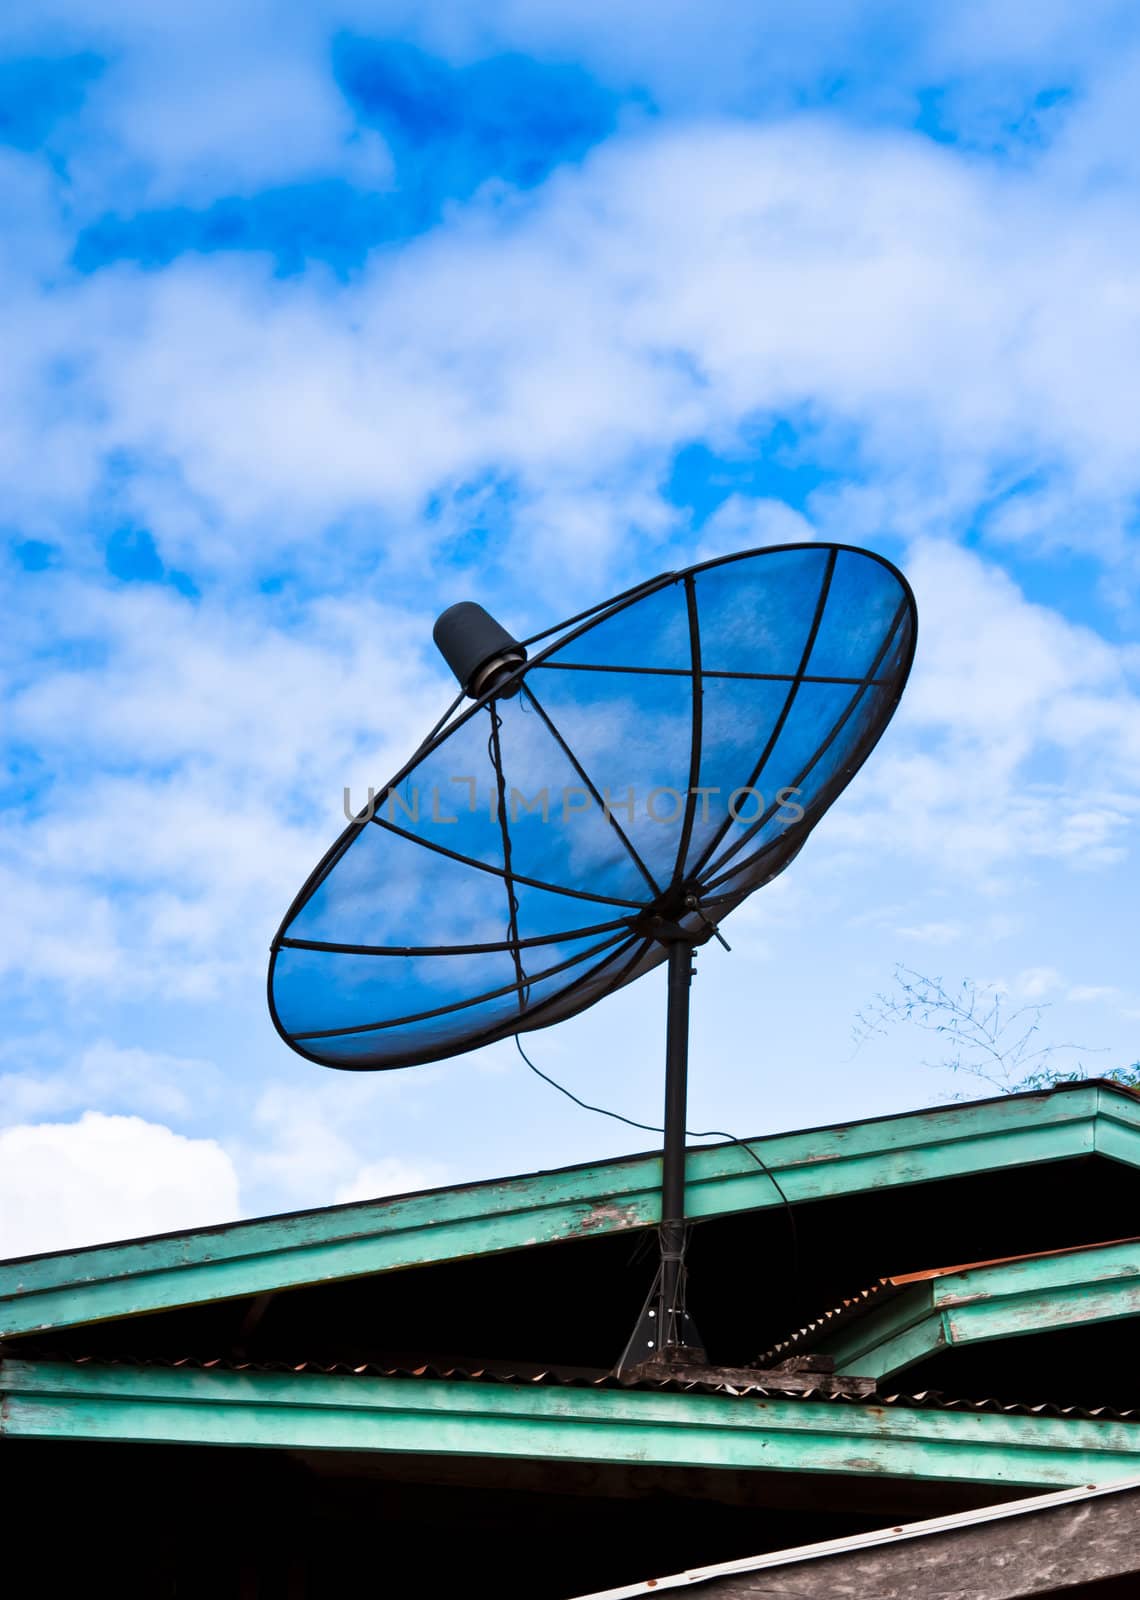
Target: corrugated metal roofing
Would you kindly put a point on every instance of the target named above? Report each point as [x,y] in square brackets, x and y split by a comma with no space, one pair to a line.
[581,1378]
[846,1311]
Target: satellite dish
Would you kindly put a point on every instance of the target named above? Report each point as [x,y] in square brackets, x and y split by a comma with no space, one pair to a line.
[613,788]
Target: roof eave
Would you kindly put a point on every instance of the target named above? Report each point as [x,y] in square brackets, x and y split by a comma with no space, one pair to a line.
[63,1289]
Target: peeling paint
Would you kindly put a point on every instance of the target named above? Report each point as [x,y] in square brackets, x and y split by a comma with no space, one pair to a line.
[131,1278]
[131,1403]
[608,1215]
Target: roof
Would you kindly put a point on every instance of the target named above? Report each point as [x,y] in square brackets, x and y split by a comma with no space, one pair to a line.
[899,1321]
[971,1444]
[70,1288]
[365,1356]
[535,1375]
[830,1553]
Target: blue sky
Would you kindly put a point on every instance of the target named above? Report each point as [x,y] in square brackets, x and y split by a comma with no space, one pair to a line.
[321,318]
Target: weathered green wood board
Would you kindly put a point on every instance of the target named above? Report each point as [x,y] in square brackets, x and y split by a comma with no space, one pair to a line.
[250,1258]
[315,1412]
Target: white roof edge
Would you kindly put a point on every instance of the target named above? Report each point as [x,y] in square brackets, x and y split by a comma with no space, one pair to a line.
[865,1541]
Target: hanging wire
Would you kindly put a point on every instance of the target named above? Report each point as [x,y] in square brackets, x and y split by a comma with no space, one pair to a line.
[691,1133]
[495,756]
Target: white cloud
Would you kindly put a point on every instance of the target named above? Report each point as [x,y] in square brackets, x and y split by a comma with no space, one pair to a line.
[1036,982]
[391,1175]
[63,930]
[742,522]
[211,749]
[208,100]
[313,1139]
[937,933]
[726,52]
[224,120]
[63,1185]
[108,1076]
[948,329]
[680,282]
[1018,736]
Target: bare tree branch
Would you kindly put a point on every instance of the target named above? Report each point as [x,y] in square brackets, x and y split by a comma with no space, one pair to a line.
[979,1035]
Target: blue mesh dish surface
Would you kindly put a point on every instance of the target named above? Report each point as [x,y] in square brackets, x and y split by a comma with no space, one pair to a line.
[646,769]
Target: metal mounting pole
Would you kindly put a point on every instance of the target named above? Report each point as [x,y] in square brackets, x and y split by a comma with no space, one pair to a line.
[673,1162]
[665,1331]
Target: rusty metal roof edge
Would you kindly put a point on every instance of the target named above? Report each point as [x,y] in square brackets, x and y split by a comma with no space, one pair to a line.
[904,1279]
[580,1378]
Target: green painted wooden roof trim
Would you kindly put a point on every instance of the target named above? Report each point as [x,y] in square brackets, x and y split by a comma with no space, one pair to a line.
[244,1258]
[1002,1300]
[309,1411]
